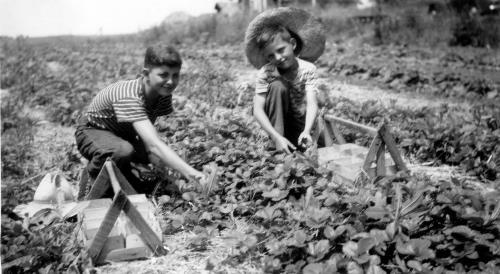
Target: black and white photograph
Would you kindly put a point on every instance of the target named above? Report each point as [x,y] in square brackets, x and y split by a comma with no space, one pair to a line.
[250,136]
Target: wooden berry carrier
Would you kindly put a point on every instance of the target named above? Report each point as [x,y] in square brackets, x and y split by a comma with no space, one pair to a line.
[349,160]
[119,229]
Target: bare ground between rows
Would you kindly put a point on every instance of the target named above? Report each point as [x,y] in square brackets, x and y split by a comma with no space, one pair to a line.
[338,88]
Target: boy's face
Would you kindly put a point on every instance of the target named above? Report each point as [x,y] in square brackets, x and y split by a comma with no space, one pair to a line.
[280,52]
[163,79]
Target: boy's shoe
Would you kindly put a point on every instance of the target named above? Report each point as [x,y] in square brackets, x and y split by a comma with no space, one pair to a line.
[144,173]
[147,178]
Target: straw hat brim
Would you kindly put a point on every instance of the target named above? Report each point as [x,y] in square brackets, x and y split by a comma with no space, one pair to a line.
[299,22]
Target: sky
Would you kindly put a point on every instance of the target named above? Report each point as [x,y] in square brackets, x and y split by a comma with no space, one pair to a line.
[37,18]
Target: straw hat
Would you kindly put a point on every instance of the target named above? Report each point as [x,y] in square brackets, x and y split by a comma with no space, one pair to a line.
[301,24]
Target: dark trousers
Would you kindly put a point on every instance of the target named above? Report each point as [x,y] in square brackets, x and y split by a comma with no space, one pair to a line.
[278,110]
[96,145]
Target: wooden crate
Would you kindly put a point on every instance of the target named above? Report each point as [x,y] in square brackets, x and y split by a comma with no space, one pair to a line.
[124,241]
[348,160]
[119,229]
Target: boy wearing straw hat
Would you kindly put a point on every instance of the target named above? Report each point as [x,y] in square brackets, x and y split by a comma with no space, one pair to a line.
[282,43]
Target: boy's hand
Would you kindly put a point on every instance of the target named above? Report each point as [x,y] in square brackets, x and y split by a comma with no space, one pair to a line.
[284,144]
[305,139]
[198,176]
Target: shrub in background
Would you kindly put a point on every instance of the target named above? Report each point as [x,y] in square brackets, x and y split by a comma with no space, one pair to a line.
[394,22]
[231,29]
[335,18]
[412,25]
[476,31]
[219,28]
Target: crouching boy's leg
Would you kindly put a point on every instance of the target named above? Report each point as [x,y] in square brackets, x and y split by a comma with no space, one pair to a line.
[294,126]
[97,145]
[277,108]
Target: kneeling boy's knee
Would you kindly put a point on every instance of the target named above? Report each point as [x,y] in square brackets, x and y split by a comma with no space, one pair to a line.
[123,152]
[278,87]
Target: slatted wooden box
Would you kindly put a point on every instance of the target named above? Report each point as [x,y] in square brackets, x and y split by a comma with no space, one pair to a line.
[347,160]
[124,242]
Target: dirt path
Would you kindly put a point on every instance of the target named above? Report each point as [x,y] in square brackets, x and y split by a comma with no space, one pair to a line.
[245,76]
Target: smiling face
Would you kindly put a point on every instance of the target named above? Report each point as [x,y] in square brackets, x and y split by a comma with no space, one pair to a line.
[279,52]
[162,80]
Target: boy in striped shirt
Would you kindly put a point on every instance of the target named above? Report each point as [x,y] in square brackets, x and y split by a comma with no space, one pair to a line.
[119,120]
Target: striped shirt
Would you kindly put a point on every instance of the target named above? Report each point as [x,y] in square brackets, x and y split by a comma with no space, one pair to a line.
[117,106]
[305,80]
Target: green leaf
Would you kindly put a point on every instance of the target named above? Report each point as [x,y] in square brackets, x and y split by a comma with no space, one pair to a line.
[313,268]
[226,208]
[329,232]
[350,249]
[391,230]
[318,249]
[268,213]
[415,265]
[206,216]
[331,200]
[276,247]
[189,196]
[376,212]
[354,268]
[163,199]
[276,194]
[380,236]
[416,247]
[364,245]
[375,269]
[177,220]
[316,217]
[300,237]
[461,233]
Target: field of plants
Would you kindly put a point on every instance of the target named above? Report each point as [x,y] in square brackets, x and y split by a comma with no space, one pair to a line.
[269,212]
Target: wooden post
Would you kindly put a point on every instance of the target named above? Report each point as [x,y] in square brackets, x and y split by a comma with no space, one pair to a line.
[336,132]
[100,186]
[365,129]
[391,146]
[323,130]
[118,179]
[372,153]
[381,169]
[107,224]
[102,182]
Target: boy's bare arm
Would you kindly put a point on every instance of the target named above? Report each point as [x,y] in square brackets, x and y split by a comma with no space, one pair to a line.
[259,114]
[158,148]
[311,112]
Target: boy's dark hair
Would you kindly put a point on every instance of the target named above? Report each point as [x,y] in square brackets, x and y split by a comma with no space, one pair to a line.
[270,32]
[161,55]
